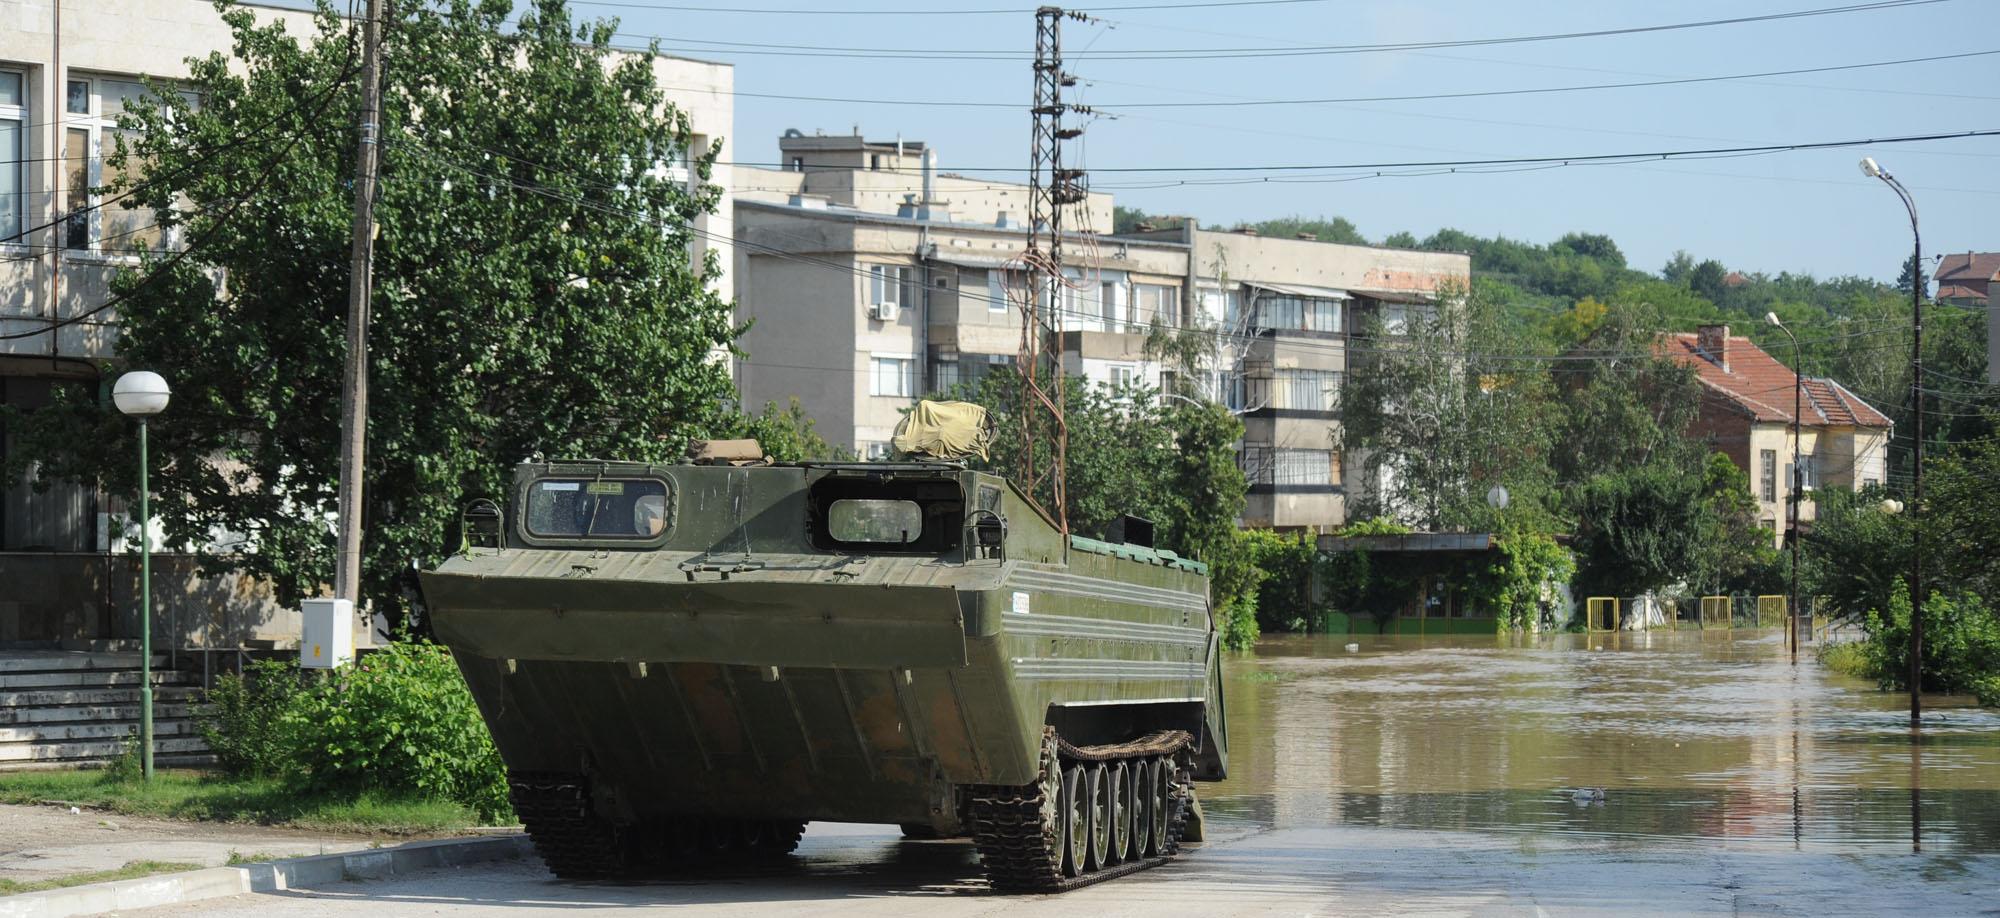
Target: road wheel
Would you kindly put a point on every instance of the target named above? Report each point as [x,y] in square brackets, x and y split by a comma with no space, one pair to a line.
[1100,815]
[1162,794]
[1075,821]
[1124,803]
[1143,839]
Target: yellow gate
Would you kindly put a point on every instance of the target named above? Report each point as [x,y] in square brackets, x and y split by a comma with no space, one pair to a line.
[1715,612]
[1601,613]
[1770,611]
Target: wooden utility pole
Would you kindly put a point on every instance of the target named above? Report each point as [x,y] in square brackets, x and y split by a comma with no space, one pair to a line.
[354,379]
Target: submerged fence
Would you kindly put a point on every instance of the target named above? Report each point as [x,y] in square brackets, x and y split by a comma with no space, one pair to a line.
[1704,613]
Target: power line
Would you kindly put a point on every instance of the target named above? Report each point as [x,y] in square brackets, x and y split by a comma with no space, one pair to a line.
[721,46]
[1461,164]
[1227,338]
[1116,107]
[1014,11]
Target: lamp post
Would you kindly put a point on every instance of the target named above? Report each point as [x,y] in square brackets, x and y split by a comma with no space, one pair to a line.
[1873,169]
[142,394]
[1798,480]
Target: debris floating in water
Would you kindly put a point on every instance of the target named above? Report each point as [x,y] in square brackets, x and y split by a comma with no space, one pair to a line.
[1354,648]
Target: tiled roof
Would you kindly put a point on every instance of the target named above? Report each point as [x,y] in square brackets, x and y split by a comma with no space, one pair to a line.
[1761,387]
[1969,265]
[1959,292]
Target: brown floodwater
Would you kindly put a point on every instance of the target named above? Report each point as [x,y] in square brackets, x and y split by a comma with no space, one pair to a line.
[1658,738]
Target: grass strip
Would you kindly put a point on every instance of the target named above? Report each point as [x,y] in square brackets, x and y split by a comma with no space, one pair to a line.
[208,797]
[131,871]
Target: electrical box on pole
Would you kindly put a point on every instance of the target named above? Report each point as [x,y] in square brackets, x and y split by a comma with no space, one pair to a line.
[328,638]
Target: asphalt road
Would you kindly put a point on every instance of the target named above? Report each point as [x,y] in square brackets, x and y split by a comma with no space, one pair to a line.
[1329,871]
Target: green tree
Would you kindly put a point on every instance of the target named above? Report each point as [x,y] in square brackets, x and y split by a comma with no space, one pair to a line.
[533,290]
[1439,404]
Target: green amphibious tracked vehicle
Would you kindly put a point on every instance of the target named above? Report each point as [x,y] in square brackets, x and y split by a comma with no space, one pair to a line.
[692,661]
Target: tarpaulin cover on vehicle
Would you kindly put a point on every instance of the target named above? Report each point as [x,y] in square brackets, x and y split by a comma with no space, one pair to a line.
[944,430]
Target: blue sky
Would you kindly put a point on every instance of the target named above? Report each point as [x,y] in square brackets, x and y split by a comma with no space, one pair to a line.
[1803,211]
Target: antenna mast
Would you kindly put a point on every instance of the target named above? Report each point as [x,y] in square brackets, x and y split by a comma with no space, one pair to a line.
[1050,189]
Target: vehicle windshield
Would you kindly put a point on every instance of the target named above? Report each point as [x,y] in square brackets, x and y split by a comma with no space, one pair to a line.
[896,521]
[585,508]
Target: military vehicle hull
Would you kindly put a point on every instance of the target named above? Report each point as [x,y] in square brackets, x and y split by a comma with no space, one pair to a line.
[737,675]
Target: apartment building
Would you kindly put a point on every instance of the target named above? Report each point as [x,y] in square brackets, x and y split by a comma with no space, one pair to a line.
[865,241]
[66,72]
[858,305]
[1746,413]
[1288,313]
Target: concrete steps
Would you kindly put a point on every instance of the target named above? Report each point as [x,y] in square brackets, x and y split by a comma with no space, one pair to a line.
[78,709]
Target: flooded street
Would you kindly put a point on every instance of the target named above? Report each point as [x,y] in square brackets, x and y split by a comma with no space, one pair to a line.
[1663,737]
[1666,774]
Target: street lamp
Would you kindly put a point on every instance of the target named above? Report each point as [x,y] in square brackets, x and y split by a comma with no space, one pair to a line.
[1872,169]
[1798,479]
[142,394]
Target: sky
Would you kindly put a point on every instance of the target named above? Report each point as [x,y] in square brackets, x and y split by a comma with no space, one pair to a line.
[1804,211]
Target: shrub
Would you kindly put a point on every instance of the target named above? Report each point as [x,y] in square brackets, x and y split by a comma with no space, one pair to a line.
[1239,622]
[1961,644]
[399,720]
[244,720]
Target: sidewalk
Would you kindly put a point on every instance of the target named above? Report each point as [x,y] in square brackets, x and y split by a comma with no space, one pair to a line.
[39,843]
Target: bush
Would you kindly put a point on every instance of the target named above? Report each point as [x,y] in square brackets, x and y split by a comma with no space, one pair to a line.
[400,721]
[1961,645]
[244,721]
[1239,622]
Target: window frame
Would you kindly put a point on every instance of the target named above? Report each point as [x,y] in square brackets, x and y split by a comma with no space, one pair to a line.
[1767,475]
[98,127]
[525,495]
[906,378]
[18,113]
[878,285]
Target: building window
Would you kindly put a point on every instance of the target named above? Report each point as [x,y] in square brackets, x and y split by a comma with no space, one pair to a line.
[877,450]
[1309,390]
[1107,304]
[1767,475]
[13,153]
[893,376]
[1123,375]
[90,134]
[798,164]
[1869,482]
[1264,464]
[944,375]
[1299,313]
[874,162]
[1302,467]
[885,285]
[1154,301]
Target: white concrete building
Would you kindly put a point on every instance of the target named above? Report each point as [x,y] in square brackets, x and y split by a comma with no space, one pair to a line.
[871,280]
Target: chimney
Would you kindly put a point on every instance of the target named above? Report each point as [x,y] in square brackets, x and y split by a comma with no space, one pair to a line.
[1713,342]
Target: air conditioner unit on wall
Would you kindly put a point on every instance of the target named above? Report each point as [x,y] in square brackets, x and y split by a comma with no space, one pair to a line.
[885,312]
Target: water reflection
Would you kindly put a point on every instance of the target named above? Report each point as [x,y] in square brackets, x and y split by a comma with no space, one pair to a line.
[1658,737]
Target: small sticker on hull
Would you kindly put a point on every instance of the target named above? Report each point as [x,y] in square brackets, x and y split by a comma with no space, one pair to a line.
[1021,603]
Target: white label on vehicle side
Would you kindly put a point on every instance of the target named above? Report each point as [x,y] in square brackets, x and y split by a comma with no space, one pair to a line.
[1021,604]
[560,485]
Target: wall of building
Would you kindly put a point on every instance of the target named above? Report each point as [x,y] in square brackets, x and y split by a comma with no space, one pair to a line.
[1245,258]
[799,344]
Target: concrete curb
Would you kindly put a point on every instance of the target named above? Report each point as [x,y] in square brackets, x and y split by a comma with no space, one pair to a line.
[215,882]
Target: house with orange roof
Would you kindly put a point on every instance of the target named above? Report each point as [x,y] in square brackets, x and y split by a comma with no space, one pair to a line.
[1746,413]
[1966,279]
